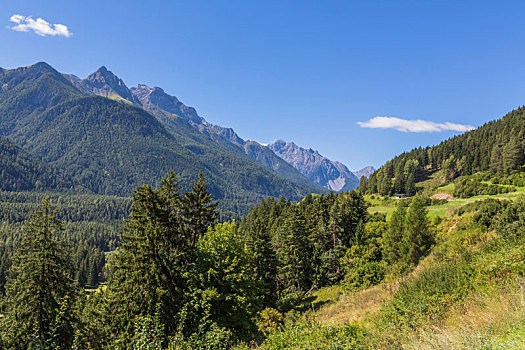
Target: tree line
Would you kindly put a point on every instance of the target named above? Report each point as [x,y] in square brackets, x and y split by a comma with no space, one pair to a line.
[496,148]
[181,279]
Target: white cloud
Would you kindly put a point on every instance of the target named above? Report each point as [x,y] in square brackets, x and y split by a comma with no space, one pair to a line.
[406,125]
[39,26]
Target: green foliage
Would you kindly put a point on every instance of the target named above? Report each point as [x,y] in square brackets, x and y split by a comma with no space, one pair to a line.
[393,249]
[427,296]
[222,285]
[303,243]
[153,256]
[488,210]
[363,262]
[408,237]
[269,320]
[149,333]
[293,253]
[211,337]
[418,238]
[315,336]
[38,282]
[258,245]
[50,341]
[198,209]
[496,147]
[471,186]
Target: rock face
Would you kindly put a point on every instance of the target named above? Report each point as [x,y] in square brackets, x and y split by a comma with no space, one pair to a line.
[104,83]
[366,172]
[155,99]
[321,170]
[269,159]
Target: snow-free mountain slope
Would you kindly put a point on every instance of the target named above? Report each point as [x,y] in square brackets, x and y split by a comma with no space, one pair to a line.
[110,146]
[321,170]
[104,83]
[366,172]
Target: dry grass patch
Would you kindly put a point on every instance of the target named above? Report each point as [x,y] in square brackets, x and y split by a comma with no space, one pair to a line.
[356,307]
[482,323]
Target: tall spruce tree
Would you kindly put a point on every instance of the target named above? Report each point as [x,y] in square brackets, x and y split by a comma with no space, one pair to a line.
[198,209]
[418,238]
[293,253]
[149,266]
[38,282]
[393,250]
[258,245]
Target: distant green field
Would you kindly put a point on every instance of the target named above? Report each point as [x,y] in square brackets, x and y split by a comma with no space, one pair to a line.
[388,206]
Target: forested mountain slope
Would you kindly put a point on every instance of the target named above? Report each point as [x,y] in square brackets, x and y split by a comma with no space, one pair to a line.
[176,116]
[19,171]
[496,147]
[111,147]
[30,90]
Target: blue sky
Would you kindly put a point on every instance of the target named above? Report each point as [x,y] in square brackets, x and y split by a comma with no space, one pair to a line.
[303,71]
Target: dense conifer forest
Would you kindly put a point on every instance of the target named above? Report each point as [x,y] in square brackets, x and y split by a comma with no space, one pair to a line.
[496,148]
[176,277]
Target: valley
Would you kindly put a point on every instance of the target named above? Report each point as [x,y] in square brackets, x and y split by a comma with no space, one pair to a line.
[157,227]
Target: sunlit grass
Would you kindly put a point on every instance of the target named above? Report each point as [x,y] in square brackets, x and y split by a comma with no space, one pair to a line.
[387,205]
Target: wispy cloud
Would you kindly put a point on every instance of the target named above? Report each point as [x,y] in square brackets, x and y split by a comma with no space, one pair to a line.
[39,26]
[406,125]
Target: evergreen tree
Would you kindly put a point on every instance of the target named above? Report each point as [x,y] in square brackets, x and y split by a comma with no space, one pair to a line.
[496,161]
[348,210]
[198,209]
[293,253]
[38,282]
[149,266]
[449,167]
[418,238]
[393,237]
[410,186]
[362,184]
[259,246]
[512,156]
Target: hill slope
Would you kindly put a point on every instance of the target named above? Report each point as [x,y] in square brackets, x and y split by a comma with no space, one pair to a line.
[498,147]
[19,171]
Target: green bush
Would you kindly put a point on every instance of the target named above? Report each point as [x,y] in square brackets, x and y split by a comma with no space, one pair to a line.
[315,336]
[427,296]
[471,186]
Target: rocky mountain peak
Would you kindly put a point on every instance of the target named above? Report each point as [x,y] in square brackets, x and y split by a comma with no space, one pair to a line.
[319,169]
[155,99]
[104,83]
[366,171]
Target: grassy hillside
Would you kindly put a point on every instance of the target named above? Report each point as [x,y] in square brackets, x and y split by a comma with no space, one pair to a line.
[445,196]
[468,293]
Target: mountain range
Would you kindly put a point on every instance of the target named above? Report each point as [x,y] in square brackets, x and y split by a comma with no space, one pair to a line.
[316,168]
[106,138]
